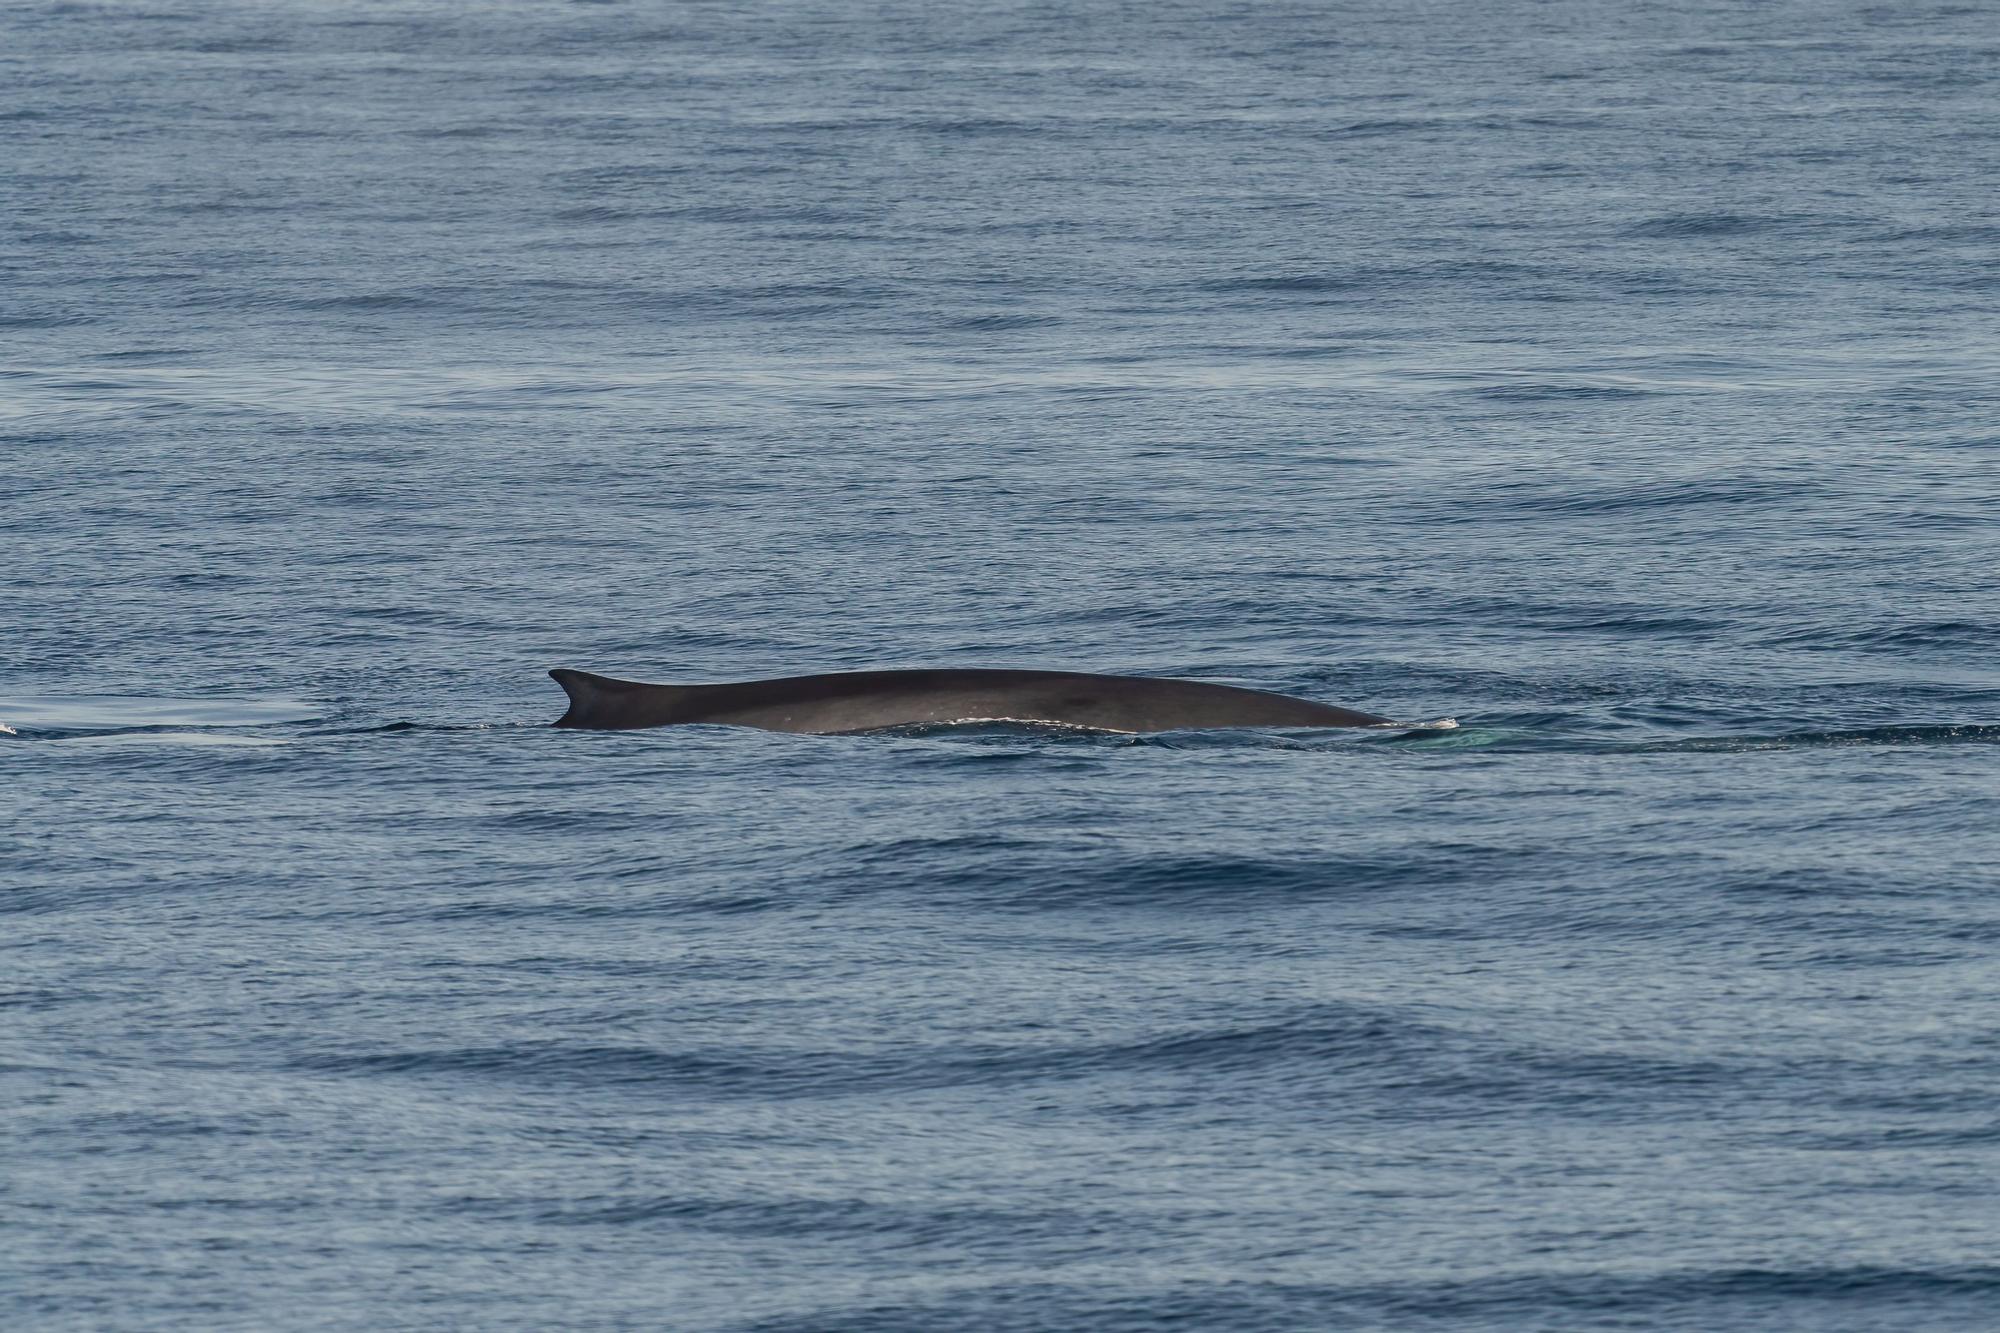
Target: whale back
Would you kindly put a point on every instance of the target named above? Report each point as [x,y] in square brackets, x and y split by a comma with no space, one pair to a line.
[874,700]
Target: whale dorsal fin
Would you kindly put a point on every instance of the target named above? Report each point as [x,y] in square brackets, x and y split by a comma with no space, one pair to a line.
[597,701]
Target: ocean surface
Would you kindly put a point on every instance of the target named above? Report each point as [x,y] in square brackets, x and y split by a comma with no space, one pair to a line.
[1621,382]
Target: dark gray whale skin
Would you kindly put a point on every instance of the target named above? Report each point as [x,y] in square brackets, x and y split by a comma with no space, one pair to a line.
[869,700]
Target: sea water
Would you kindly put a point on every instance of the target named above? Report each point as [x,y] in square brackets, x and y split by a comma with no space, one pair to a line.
[1619,381]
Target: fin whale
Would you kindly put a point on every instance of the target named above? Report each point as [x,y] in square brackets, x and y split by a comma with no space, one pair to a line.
[869,700]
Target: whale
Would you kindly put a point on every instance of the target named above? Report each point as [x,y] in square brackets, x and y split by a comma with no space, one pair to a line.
[856,701]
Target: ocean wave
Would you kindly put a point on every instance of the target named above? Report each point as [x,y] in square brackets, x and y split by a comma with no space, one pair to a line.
[79,716]
[1513,739]
[1801,1296]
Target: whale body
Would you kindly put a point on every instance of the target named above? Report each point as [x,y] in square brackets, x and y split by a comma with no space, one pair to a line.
[871,700]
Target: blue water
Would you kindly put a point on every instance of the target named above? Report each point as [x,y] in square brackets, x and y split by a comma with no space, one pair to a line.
[1619,381]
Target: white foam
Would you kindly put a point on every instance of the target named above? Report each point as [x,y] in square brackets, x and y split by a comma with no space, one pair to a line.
[1029,722]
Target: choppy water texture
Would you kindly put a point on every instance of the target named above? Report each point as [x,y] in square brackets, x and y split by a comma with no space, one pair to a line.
[1618,380]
